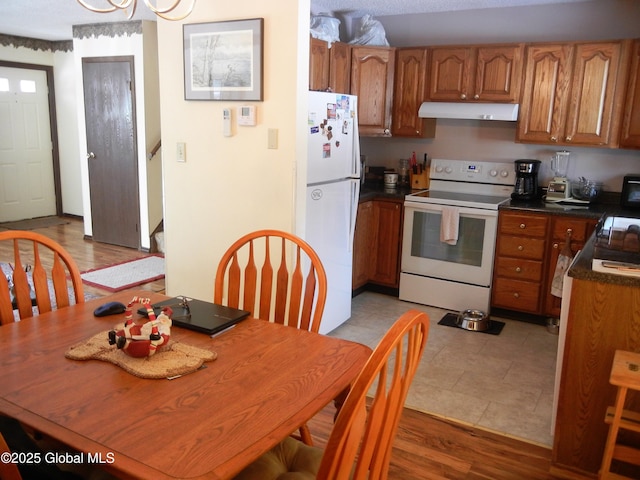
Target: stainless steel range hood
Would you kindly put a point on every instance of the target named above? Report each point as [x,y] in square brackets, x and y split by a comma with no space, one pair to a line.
[470,111]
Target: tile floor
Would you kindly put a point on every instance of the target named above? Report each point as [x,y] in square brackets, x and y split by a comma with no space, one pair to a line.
[503,383]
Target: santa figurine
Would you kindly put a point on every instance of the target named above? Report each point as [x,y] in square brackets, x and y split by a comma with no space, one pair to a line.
[142,340]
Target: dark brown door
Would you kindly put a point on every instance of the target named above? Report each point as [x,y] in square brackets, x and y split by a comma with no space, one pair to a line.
[111,149]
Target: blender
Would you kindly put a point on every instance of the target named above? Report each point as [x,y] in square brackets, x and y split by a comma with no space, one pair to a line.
[559,188]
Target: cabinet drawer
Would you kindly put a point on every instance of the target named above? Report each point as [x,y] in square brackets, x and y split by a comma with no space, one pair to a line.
[580,229]
[517,224]
[516,295]
[521,247]
[519,268]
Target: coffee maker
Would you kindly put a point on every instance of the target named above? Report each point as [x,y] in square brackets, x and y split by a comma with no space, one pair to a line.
[526,186]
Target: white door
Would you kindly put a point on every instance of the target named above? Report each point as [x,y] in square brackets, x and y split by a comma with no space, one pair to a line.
[27,188]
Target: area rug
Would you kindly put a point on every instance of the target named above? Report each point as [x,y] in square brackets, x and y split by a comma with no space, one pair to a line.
[450,320]
[172,361]
[126,274]
[33,223]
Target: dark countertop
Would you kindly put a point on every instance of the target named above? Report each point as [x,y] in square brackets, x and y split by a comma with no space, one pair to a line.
[581,269]
[371,190]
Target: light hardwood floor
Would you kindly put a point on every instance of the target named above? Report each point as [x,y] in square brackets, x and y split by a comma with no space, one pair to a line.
[426,447]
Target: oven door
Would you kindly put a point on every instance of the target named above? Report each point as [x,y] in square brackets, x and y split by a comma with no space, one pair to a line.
[469,261]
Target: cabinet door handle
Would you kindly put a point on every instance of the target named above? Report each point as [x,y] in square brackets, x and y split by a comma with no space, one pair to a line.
[556,246]
[518,269]
[554,139]
[522,226]
[476,97]
[516,295]
[463,96]
[569,138]
[520,247]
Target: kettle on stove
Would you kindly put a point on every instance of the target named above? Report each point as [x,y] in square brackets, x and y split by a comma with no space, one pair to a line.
[526,186]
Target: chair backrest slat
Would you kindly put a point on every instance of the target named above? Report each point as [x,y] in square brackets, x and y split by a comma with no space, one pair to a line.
[266,283]
[40,284]
[280,291]
[21,287]
[6,309]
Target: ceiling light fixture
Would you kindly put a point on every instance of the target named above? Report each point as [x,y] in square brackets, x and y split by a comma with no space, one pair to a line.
[129,7]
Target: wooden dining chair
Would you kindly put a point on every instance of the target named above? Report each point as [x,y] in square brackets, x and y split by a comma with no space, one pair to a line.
[47,286]
[360,443]
[8,470]
[290,287]
[276,276]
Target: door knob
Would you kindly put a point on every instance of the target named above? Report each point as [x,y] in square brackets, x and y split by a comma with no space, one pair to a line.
[91,155]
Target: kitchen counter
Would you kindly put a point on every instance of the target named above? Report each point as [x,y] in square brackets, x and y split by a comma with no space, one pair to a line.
[369,191]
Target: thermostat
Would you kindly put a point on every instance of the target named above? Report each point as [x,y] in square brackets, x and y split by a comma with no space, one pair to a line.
[247,115]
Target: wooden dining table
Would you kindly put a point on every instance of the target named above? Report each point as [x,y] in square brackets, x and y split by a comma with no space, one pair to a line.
[266,381]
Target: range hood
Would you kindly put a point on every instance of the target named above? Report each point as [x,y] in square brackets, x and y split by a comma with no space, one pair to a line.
[470,111]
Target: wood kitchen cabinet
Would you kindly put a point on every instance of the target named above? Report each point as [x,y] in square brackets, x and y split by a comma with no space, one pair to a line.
[603,317]
[519,266]
[329,66]
[577,230]
[386,263]
[409,92]
[630,133]
[363,244]
[377,243]
[372,71]
[573,93]
[527,253]
[491,73]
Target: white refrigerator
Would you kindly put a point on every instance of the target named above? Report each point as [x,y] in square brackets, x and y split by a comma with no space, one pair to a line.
[333,188]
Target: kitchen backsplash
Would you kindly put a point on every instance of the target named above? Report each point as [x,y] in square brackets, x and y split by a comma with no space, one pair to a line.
[483,140]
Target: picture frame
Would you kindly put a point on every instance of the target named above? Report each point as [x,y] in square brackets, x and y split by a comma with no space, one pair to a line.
[223,60]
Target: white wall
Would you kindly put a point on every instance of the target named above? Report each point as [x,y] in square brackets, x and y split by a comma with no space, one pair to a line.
[229,186]
[68,141]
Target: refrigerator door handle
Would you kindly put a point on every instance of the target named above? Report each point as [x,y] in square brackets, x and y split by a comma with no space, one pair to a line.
[353,212]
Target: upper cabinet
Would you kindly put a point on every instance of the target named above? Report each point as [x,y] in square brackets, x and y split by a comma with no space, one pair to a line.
[573,93]
[372,70]
[329,67]
[409,92]
[476,74]
[630,134]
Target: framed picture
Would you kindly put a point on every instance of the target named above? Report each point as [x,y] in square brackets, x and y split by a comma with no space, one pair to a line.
[223,60]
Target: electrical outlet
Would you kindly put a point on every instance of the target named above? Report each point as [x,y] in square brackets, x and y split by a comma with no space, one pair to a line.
[181,152]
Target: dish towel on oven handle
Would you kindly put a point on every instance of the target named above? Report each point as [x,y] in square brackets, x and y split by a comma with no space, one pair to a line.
[449,225]
[564,260]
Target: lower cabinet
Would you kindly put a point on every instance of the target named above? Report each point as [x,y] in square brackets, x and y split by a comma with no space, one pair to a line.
[377,243]
[527,252]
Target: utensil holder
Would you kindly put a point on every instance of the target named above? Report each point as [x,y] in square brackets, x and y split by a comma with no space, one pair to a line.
[420,181]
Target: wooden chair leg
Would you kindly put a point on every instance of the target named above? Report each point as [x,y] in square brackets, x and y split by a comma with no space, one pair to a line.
[305,435]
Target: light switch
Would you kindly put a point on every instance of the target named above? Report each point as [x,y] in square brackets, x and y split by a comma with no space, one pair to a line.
[272,142]
[181,152]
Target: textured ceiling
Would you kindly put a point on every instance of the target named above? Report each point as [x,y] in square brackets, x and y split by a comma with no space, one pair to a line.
[53,19]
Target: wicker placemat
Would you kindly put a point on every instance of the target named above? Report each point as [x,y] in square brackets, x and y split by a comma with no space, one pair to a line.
[171,360]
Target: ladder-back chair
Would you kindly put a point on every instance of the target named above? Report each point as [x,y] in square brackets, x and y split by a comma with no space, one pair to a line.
[47,286]
[290,287]
[360,443]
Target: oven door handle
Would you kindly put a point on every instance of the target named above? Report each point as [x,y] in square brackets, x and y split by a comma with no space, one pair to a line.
[435,207]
